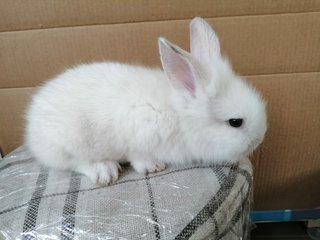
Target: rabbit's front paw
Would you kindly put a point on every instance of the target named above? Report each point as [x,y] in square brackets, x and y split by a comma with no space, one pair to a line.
[147,166]
[102,173]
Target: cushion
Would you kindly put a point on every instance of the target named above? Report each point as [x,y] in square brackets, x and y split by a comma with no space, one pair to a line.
[194,202]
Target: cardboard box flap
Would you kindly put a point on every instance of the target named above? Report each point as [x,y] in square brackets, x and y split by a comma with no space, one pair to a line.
[38,14]
[255,45]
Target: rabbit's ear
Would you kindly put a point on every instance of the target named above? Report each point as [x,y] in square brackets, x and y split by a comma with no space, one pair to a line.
[178,66]
[204,43]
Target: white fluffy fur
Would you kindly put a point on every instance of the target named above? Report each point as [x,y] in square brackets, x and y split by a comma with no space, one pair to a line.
[93,116]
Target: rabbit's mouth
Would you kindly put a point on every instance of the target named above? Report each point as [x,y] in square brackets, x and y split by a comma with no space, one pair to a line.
[252,146]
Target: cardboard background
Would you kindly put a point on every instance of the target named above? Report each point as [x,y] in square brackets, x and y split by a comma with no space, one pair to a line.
[267,44]
[276,44]
[40,14]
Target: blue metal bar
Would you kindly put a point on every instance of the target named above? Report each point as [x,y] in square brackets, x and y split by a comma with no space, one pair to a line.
[285,215]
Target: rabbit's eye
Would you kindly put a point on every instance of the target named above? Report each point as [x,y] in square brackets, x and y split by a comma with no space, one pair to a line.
[235,122]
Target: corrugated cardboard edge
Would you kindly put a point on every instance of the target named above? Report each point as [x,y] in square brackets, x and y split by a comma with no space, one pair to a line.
[40,14]
[254,44]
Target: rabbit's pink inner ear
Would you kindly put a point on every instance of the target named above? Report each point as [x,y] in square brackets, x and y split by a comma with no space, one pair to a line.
[186,78]
[177,67]
[180,74]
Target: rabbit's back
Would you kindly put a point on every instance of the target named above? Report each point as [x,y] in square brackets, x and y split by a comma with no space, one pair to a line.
[90,111]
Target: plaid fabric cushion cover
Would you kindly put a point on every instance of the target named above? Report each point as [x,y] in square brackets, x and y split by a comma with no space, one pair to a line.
[203,202]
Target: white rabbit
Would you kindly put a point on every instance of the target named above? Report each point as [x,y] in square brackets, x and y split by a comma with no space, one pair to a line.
[91,117]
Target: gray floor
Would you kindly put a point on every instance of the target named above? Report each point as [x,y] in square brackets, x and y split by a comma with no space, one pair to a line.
[280,231]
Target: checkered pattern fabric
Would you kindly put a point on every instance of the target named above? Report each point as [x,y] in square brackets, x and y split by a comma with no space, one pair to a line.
[203,202]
